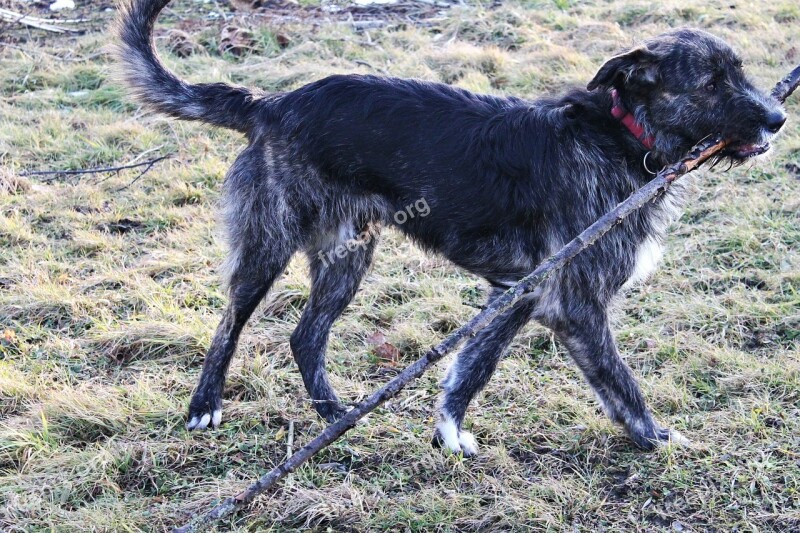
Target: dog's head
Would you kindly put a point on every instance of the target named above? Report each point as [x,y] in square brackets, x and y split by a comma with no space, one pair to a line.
[687,84]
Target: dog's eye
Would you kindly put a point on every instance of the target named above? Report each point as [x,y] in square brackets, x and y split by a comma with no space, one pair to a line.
[711,87]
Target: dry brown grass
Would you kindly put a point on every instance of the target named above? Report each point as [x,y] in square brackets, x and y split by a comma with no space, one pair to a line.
[107,300]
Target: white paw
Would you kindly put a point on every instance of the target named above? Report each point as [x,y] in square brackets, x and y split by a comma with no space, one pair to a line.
[468,444]
[677,439]
[454,440]
[202,422]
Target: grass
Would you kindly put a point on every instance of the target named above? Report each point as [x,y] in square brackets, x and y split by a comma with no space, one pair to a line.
[108,299]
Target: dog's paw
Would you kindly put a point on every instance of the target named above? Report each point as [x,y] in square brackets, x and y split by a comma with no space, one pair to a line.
[203,413]
[449,437]
[204,420]
[656,437]
[331,411]
[670,437]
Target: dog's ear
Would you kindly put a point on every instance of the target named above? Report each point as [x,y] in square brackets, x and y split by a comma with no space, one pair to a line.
[636,69]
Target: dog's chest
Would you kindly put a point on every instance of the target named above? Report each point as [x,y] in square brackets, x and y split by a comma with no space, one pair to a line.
[647,257]
[650,250]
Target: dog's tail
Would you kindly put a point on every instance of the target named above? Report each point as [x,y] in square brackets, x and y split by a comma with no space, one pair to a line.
[153,84]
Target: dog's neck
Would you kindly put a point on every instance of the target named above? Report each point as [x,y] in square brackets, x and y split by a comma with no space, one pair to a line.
[619,112]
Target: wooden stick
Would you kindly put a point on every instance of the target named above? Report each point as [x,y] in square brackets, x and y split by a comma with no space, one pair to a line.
[701,153]
[784,88]
[33,22]
[148,164]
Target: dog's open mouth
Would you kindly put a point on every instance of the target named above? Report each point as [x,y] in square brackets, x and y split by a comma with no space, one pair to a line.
[746,151]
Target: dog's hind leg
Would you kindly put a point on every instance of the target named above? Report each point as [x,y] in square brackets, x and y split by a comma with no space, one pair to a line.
[586,333]
[470,372]
[334,282]
[247,286]
[263,235]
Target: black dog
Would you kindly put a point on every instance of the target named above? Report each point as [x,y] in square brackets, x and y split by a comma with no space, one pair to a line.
[504,183]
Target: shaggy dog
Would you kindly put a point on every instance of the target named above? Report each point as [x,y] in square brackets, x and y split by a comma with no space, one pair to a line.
[505,182]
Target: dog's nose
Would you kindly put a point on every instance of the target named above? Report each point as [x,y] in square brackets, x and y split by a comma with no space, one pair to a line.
[775,119]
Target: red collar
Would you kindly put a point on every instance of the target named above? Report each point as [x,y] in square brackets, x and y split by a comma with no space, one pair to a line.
[619,112]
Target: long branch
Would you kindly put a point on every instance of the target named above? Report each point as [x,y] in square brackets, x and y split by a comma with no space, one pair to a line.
[42,24]
[149,164]
[701,153]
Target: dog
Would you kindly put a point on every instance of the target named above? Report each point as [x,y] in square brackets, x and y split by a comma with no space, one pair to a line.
[505,182]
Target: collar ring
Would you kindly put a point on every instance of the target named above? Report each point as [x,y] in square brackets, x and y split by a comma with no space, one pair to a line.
[644,164]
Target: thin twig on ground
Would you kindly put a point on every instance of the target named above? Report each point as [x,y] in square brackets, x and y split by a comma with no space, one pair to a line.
[19,18]
[149,164]
[363,63]
[707,149]
[57,173]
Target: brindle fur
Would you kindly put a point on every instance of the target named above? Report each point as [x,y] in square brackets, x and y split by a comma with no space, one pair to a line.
[508,182]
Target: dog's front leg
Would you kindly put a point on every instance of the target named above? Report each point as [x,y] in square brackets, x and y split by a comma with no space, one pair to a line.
[471,371]
[587,335]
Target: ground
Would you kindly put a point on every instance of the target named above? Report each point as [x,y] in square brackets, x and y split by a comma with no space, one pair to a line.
[109,294]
